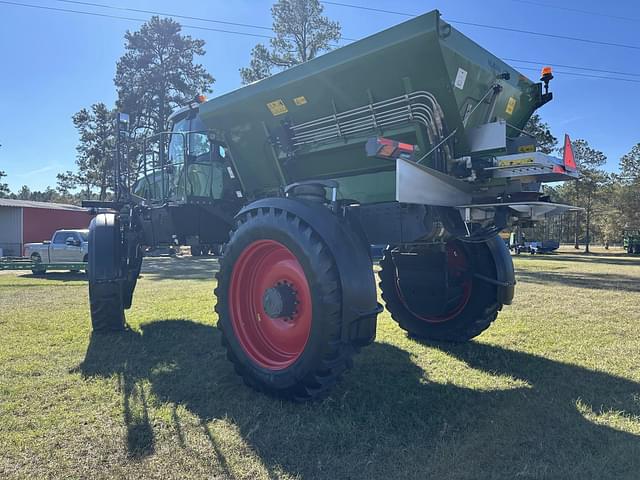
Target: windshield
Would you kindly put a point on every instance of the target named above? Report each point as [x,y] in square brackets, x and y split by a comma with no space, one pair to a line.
[84,235]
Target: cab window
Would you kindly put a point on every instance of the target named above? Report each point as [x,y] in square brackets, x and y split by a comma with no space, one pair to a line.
[60,238]
[176,144]
[199,144]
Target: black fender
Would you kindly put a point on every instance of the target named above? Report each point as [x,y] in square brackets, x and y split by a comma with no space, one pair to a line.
[112,256]
[505,274]
[105,248]
[359,296]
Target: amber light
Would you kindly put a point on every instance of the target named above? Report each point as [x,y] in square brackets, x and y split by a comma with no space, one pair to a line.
[546,71]
[201,98]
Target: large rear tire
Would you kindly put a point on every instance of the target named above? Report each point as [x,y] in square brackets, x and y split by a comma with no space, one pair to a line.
[426,310]
[280,306]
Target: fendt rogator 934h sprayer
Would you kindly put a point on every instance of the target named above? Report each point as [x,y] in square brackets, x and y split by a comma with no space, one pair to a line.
[410,138]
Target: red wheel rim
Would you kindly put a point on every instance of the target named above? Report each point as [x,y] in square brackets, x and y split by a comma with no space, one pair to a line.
[271,342]
[458,267]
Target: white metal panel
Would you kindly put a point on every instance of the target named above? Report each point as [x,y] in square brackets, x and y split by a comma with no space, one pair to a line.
[426,186]
[488,137]
[11,230]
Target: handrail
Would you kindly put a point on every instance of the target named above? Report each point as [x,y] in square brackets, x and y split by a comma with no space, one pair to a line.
[420,106]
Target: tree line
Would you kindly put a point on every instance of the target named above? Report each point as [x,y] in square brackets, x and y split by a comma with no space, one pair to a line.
[159,71]
[609,201]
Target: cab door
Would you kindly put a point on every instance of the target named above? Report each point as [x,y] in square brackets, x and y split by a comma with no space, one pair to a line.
[58,247]
[66,247]
[73,250]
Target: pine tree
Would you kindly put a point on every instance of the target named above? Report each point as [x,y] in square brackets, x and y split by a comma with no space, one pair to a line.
[547,143]
[4,187]
[302,33]
[158,73]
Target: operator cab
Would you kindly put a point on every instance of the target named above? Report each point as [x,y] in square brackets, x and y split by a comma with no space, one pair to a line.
[194,168]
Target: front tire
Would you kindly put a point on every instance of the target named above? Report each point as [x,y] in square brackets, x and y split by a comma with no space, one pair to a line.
[280,306]
[106,294]
[107,306]
[38,268]
[456,314]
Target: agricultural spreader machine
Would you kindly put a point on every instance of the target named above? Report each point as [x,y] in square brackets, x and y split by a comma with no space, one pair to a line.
[410,138]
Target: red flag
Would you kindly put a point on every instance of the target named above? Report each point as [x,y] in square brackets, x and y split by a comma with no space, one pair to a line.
[567,156]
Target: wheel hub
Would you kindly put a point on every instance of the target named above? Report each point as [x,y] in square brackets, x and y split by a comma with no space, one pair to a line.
[280,301]
[270,304]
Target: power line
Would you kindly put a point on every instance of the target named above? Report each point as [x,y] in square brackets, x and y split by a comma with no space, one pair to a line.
[137,10]
[96,14]
[175,15]
[371,9]
[585,75]
[344,38]
[575,67]
[549,35]
[578,10]
[105,15]
[495,27]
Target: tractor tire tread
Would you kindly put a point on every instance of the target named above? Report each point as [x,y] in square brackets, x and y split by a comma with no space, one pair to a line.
[107,309]
[336,355]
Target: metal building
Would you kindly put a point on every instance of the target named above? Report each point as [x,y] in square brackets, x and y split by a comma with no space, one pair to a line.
[24,221]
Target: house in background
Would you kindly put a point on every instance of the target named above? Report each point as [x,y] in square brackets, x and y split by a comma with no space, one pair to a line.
[24,221]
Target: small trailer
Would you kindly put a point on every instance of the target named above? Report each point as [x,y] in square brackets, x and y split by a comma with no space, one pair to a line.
[38,268]
[518,243]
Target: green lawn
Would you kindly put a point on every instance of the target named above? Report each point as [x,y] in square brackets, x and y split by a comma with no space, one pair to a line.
[552,390]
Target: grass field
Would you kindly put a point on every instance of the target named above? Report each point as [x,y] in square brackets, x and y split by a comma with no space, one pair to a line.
[552,390]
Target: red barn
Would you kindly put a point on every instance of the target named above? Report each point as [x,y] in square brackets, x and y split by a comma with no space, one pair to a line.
[24,221]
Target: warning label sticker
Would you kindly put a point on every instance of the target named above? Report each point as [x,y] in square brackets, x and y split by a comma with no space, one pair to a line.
[299,101]
[511,104]
[516,162]
[277,107]
[461,77]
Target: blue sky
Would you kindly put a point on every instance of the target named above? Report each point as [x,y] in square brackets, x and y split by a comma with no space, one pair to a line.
[52,64]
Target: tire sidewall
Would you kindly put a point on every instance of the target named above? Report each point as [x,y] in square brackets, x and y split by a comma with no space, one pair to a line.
[263,227]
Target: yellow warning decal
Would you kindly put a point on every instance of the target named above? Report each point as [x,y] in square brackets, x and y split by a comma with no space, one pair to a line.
[511,104]
[526,148]
[277,107]
[299,101]
[518,161]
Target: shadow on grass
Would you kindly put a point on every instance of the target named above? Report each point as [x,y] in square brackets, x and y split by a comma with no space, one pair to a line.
[171,268]
[386,419]
[599,258]
[57,276]
[594,281]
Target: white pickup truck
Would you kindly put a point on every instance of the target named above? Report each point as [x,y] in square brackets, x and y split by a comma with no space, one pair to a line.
[66,246]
